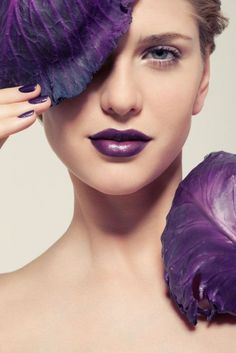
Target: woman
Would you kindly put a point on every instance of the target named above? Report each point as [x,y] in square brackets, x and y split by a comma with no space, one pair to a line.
[100,286]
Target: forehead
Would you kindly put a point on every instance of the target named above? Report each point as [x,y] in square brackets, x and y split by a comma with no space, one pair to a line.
[160,12]
[159,16]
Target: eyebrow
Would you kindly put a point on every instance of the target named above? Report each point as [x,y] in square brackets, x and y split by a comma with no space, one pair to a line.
[162,38]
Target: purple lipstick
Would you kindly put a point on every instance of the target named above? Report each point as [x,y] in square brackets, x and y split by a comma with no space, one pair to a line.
[119,143]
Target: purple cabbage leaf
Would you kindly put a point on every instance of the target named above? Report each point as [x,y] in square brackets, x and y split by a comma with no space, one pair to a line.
[59,44]
[199,240]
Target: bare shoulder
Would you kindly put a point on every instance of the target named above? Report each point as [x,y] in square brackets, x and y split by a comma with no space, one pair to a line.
[6,290]
[18,299]
[6,300]
[11,294]
[15,298]
[11,309]
[17,286]
[27,304]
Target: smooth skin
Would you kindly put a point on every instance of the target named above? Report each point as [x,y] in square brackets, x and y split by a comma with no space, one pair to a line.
[100,287]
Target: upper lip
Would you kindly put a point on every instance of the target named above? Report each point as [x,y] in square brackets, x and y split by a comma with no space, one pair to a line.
[120,135]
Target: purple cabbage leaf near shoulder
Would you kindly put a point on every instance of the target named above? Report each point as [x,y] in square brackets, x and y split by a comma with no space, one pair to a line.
[59,44]
[199,240]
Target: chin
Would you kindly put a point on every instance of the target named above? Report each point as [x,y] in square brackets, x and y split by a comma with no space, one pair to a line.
[117,187]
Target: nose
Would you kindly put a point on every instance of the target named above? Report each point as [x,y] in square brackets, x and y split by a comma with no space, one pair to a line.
[121,97]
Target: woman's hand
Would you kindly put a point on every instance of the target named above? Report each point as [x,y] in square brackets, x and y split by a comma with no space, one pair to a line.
[14,103]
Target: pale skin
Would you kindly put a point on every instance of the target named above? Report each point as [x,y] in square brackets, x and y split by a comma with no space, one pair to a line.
[100,287]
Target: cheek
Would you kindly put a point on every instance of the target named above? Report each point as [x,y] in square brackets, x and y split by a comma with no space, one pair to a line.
[60,124]
[173,99]
[176,109]
[176,121]
[66,141]
[172,103]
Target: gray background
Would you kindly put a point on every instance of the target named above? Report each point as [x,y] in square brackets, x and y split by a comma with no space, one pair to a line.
[36,200]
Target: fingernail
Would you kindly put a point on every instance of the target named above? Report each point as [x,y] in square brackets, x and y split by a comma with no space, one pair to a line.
[40,99]
[27,114]
[28,88]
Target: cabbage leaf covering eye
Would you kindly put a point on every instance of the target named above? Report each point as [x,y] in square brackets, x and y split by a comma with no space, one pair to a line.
[59,44]
[199,240]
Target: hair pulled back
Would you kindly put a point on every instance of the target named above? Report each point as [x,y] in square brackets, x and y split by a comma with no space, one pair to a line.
[211,22]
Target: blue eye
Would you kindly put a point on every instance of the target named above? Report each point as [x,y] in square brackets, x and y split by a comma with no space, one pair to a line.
[165,56]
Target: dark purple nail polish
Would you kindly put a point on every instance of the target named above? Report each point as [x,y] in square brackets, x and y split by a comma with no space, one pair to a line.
[28,88]
[40,99]
[27,114]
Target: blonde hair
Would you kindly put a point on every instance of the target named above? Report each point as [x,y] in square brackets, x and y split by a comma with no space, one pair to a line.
[211,22]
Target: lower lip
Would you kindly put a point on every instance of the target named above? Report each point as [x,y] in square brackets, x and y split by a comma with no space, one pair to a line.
[119,149]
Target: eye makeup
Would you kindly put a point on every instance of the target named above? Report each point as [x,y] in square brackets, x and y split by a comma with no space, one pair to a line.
[164,49]
[167,56]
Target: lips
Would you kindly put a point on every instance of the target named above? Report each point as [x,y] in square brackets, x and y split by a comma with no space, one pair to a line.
[119,143]
[120,135]
[114,148]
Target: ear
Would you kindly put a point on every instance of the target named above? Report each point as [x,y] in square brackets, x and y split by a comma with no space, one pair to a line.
[203,87]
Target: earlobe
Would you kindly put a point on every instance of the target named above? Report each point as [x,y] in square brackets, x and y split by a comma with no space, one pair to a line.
[203,87]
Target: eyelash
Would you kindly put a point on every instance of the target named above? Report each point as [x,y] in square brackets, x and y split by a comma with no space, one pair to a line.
[165,63]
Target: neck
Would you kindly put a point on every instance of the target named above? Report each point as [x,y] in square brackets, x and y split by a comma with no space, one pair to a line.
[122,233]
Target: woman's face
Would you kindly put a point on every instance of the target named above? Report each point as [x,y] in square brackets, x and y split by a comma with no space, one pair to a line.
[151,87]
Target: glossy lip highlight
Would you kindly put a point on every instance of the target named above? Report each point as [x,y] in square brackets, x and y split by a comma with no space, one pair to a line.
[114,148]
